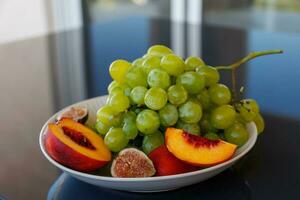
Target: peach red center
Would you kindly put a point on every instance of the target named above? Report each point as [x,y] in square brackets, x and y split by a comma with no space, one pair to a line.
[199,141]
[77,137]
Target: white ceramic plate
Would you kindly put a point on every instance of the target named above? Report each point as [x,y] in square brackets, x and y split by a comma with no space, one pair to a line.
[150,184]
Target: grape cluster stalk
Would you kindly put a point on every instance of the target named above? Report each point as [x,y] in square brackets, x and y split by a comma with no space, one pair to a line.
[237,64]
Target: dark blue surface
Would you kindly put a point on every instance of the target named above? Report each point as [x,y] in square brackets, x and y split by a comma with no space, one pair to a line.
[274,81]
[67,187]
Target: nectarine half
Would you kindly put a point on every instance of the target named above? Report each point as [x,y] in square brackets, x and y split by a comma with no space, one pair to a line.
[76,146]
[197,150]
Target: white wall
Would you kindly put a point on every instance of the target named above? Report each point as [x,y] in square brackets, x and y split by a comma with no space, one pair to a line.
[30,18]
[22,19]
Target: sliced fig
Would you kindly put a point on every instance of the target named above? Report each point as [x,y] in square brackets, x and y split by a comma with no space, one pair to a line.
[132,163]
[78,114]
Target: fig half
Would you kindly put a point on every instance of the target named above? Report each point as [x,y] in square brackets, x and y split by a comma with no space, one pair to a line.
[77,114]
[132,163]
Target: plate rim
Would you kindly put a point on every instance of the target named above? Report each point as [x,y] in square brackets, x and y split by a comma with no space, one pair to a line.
[143,179]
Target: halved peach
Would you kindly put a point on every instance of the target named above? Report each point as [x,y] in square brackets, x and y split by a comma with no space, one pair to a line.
[197,150]
[76,146]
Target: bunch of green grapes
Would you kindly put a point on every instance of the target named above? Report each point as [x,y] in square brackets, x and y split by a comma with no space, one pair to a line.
[161,90]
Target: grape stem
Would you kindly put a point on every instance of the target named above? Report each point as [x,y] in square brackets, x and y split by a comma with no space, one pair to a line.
[237,64]
[233,82]
[250,56]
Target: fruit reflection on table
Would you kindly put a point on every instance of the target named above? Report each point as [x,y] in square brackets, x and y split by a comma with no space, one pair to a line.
[163,116]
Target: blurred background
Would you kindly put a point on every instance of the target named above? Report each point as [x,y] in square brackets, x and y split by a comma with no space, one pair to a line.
[54,53]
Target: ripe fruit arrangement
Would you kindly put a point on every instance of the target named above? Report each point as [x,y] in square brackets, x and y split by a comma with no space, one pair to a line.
[161,90]
[163,116]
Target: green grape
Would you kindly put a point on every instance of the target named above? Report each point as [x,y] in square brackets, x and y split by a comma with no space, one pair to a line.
[118,69]
[205,124]
[120,88]
[107,99]
[260,123]
[146,56]
[248,109]
[147,121]
[193,128]
[159,50]
[195,100]
[138,62]
[150,63]
[191,81]
[192,62]
[112,85]
[109,117]
[240,119]
[204,99]
[236,134]
[158,78]
[119,102]
[101,128]
[222,117]
[168,115]
[190,112]
[129,116]
[156,98]
[130,130]
[105,114]
[211,74]
[127,90]
[219,94]
[115,90]
[136,77]
[117,120]
[212,136]
[137,95]
[115,139]
[172,64]
[151,142]
[177,94]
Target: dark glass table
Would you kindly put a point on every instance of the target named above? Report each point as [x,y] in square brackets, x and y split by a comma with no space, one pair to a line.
[42,75]
[219,187]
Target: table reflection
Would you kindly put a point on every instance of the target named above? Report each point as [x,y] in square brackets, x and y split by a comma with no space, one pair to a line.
[227,185]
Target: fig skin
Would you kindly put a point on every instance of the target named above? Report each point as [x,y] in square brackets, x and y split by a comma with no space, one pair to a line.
[132,163]
[72,113]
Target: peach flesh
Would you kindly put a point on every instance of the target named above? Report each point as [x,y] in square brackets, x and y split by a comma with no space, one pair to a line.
[196,150]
